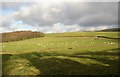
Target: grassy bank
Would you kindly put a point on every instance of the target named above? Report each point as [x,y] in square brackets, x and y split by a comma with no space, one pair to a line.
[53,55]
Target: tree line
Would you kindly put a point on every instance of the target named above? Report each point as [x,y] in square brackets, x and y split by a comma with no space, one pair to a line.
[19,35]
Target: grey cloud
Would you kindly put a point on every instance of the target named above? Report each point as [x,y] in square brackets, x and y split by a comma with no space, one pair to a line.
[40,14]
[72,13]
[92,14]
[85,15]
[15,5]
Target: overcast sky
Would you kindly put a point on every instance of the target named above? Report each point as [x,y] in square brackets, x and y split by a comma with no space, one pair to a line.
[55,17]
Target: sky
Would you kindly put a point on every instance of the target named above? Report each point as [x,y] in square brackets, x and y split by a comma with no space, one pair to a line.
[58,17]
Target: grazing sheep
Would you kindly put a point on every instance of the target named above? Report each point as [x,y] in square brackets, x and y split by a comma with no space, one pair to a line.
[98,37]
[112,43]
[38,44]
[51,43]
[91,43]
[3,46]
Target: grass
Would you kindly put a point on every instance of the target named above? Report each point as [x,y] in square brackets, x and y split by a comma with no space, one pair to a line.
[93,34]
[60,44]
[52,64]
[52,55]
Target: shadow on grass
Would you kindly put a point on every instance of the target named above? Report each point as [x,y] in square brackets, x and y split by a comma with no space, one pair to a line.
[114,52]
[46,64]
[58,66]
[106,56]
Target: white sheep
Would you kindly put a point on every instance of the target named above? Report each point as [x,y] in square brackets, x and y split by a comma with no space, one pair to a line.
[38,44]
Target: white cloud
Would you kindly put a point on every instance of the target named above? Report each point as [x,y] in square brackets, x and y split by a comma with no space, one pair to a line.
[64,16]
[98,28]
[60,0]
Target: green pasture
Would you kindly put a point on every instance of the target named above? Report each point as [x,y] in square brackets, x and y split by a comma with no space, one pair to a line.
[53,55]
[86,34]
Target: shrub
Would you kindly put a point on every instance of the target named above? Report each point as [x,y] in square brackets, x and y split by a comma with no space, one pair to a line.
[20,35]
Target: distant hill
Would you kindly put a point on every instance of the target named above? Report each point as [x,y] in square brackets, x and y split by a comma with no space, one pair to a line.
[19,35]
[111,30]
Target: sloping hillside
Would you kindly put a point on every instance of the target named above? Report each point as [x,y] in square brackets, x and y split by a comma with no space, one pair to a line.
[111,30]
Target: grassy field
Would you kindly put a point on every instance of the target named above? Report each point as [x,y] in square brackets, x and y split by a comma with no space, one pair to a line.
[73,53]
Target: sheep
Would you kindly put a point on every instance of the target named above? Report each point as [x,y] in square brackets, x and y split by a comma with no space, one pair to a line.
[38,44]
